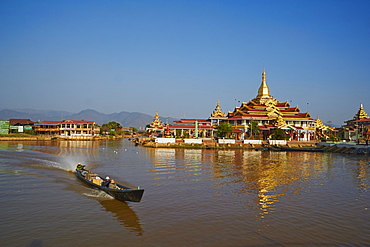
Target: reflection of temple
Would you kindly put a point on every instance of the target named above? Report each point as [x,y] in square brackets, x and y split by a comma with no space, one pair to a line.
[265,175]
[270,114]
[358,128]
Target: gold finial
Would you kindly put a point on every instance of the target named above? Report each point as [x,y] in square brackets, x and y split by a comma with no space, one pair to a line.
[264,90]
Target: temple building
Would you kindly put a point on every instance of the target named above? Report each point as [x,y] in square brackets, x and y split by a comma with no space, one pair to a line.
[218,114]
[192,128]
[156,126]
[358,128]
[270,114]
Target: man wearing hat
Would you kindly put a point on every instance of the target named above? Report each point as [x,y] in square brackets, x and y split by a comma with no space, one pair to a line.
[106,182]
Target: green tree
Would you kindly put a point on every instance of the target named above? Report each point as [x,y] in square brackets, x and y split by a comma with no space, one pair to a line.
[113,128]
[113,125]
[279,134]
[224,130]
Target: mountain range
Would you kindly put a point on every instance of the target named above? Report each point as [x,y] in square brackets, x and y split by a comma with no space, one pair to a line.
[126,119]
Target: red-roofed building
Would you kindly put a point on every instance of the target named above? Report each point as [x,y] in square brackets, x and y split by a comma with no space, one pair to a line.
[20,122]
[68,129]
[193,128]
[47,128]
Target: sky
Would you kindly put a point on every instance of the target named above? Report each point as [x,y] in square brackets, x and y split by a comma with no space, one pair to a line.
[180,57]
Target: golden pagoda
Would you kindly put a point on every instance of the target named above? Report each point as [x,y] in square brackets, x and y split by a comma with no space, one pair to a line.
[270,114]
[156,125]
[361,114]
[218,114]
[321,125]
[263,95]
[157,122]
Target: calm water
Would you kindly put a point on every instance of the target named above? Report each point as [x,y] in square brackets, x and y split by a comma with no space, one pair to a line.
[192,197]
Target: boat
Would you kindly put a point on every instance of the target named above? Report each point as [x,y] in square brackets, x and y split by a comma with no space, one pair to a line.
[278,148]
[117,191]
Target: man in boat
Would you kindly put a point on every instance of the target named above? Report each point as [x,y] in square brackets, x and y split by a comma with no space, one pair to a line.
[106,182]
[80,167]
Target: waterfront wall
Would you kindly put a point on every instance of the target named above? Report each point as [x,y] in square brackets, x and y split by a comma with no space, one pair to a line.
[220,143]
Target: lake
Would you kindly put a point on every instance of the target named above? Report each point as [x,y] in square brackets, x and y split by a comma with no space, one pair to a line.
[192,197]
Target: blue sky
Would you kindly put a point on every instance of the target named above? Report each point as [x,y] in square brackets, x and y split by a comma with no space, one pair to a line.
[180,57]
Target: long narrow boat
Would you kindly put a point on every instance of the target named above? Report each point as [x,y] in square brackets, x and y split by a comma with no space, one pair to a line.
[115,190]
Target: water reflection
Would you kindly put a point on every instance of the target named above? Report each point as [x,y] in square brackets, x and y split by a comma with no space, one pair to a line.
[124,214]
[53,147]
[363,175]
[265,176]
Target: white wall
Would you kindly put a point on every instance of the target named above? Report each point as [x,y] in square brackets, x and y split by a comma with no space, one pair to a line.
[198,141]
[165,140]
[226,141]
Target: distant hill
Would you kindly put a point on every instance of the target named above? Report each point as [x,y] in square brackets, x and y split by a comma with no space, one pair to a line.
[126,119]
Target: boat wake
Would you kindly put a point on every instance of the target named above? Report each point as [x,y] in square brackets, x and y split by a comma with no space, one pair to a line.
[98,194]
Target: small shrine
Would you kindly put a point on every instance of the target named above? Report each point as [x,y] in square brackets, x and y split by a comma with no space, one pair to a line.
[156,125]
[323,130]
[358,128]
[361,114]
[218,114]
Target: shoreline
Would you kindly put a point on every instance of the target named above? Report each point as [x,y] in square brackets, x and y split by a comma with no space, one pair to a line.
[342,147]
[53,138]
[347,148]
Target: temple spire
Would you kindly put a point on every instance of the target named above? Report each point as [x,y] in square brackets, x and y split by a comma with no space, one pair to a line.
[263,92]
[361,114]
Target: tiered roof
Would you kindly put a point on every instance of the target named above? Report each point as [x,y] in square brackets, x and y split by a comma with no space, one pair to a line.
[266,107]
[361,114]
[218,113]
[322,126]
[157,122]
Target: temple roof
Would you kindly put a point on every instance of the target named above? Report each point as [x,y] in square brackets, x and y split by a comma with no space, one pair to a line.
[361,114]
[265,107]
[218,113]
[157,122]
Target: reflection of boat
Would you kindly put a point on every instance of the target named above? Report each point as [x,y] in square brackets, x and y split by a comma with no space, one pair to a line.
[120,192]
[277,148]
[124,214]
